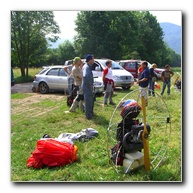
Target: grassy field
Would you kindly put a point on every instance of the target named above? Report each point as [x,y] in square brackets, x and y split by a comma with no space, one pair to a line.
[33,115]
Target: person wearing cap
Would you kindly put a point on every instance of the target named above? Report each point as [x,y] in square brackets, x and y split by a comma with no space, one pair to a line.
[77,75]
[166,78]
[152,78]
[143,81]
[68,70]
[87,86]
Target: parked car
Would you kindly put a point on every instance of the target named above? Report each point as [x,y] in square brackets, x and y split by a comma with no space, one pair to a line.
[12,78]
[122,78]
[54,78]
[133,65]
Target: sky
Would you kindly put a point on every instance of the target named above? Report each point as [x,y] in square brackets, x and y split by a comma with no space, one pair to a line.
[66,19]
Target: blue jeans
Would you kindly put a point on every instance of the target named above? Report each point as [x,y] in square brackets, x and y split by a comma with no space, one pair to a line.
[151,88]
[70,82]
[166,83]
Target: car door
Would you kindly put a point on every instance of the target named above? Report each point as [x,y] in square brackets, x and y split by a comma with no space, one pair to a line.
[97,69]
[62,80]
[52,78]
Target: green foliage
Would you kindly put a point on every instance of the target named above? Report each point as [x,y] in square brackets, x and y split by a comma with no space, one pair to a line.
[66,51]
[31,117]
[28,37]
[122,35]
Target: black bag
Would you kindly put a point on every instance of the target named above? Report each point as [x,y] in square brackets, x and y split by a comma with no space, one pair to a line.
[70,99]
[72,95]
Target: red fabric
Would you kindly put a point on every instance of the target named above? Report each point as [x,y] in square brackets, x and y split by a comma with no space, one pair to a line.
[105,71]
[106,80]
[140,69]
[51,153]
[131,104]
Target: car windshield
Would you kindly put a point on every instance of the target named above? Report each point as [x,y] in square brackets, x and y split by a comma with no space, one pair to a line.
[114,65]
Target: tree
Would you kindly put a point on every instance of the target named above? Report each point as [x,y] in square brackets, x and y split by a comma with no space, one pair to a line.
[29,33]
[119,34]
[150,38]
[66,51]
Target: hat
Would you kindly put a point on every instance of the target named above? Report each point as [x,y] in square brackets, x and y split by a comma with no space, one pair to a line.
[76,59]
[88,57]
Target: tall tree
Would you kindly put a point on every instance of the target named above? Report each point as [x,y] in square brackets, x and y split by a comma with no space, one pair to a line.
[150,37]
[119,34]
[29,33]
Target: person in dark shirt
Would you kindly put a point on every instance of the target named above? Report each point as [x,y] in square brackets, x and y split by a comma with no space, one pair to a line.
[143,81]
[152,78]
[87,86]
[166,78]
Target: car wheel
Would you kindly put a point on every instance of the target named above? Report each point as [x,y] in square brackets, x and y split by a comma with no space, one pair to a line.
[43,88]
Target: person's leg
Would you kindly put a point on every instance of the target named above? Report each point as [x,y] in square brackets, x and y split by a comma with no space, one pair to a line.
[143,92]
[107,93]
[74,105]
[168,85]
[70,83]
[89,105]
[163,88]
[153,88]
[150,87]
[111,96]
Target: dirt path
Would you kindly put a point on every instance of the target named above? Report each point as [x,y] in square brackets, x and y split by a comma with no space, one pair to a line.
[25,106]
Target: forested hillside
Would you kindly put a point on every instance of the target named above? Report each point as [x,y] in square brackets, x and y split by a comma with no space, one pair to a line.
[172,36]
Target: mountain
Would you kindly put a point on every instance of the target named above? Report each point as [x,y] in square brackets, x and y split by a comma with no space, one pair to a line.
[172,36]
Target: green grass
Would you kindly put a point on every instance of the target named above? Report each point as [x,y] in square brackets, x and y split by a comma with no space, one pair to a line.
[28,126]
[19,79]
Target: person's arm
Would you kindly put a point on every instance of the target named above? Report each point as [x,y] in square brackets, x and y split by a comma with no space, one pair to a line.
[66,70]
[105,73]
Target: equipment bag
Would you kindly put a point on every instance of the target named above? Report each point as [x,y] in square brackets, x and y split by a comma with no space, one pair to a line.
[50,152]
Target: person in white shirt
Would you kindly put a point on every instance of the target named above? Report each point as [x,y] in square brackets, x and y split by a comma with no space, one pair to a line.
[108,83]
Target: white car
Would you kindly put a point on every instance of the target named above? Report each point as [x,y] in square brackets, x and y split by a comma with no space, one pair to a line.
[122,78]
[54,78]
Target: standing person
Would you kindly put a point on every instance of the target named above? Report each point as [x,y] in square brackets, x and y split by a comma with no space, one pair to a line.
[152,79]
[166,77]
[143,81]
[77,75]
[87,86]
[108,83]
[139,70]
[68,70]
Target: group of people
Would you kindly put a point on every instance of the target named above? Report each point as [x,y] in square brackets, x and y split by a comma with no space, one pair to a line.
[147,78]
[83,81]
[80,75]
